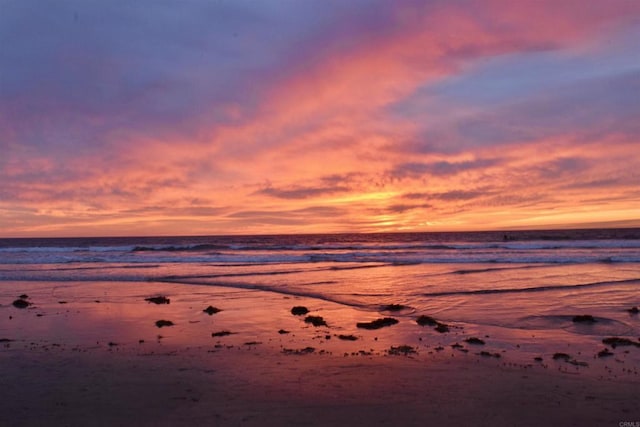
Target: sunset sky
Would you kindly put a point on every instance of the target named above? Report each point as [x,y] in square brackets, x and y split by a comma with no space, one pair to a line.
[291,116]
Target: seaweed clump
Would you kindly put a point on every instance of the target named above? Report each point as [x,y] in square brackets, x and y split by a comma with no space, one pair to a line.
[299,310]
[347,337]
[487,354]
[393,307]
[604,353]
[403,350]
[561,356]
[378,323]
[163,323]
[158,300]
[221,334]
[302,351]
[584,318]
[424,320]
[211,310]
[442,328]
[567,358]
[315,320]
[21,303]
[617,341]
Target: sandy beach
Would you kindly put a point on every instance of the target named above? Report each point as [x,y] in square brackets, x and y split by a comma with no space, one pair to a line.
[92,354]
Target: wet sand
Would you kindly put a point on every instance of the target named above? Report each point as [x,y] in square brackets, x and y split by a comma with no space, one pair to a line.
[91,354]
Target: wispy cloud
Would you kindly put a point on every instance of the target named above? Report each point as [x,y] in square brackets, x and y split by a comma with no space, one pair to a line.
[227,117]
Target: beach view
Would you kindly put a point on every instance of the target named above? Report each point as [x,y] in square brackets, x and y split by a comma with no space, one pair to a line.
[319,213]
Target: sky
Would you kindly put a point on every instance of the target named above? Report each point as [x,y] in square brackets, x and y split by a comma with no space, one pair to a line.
[193,117]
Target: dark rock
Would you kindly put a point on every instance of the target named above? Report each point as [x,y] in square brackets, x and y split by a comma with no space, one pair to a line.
[577,362]
[475,341]
[158,300]
[211,310]
[20,303]
[282,332]
[561,356]
[426,321]
[487,354]
[5,340]
[377,324]
[163,323]
[633,310]
[299,310]
[315,320]
[457,345]
[24,296]
[404,350]
[584,318]
[348,337]
[617,341]
[62,302]
[538,359]
[221,334]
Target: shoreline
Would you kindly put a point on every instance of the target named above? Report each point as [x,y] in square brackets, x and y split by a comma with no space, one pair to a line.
[91,354]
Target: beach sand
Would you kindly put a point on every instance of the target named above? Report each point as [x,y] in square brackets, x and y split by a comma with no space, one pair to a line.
[91,354]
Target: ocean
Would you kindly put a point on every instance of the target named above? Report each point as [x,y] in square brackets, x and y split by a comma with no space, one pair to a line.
[515,279]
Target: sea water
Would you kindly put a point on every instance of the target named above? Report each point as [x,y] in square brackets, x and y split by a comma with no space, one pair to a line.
[521,280]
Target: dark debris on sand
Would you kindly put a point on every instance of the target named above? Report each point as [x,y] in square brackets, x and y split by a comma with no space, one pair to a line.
[299,310]
[211,310]
[474,341]
[158,300]
[315,320]
[283,332]
[378,323]
[402,350]
[163,323]
[633,310]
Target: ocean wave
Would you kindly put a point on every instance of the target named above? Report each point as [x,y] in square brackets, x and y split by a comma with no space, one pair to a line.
[601,326]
